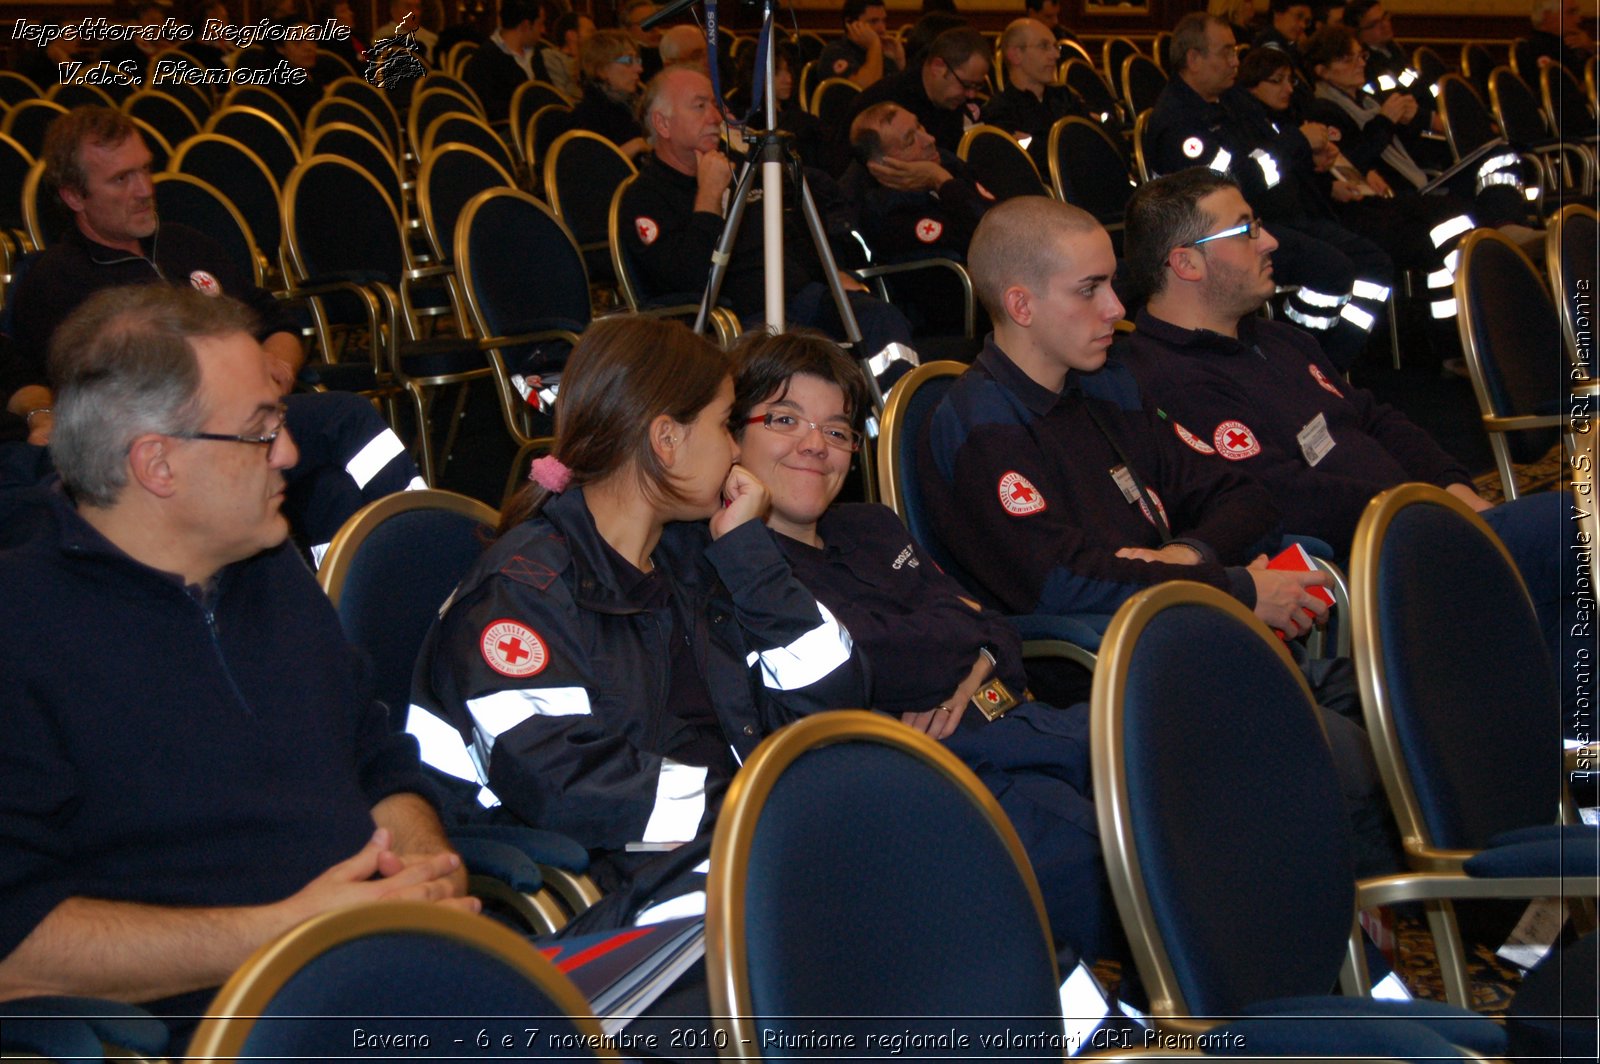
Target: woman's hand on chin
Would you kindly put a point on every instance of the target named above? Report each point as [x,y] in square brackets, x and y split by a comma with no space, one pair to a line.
[744,497]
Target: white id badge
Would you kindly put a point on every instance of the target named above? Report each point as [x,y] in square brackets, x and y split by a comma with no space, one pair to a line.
[1315,440]
[1124,479]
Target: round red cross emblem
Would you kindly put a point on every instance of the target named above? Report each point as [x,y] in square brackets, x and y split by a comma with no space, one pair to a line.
[1322,379]
[1235,441]
[513,649]
[929,229]
[206,283]
[648,230]
[1018,496]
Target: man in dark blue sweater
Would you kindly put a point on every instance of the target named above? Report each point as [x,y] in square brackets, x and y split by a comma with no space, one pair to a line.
[190,764]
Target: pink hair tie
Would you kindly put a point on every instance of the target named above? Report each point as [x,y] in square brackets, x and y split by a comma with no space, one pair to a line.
[550,474]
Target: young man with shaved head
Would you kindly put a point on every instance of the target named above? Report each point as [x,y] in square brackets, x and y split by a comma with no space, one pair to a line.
[1047,479]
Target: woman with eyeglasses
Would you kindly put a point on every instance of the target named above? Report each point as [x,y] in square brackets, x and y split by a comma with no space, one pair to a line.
[933,654]
[610,70]
[634,631]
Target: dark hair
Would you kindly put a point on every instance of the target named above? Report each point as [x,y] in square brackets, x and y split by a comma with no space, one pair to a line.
[866,143]
[1278,7]
[855,9]
[1260,64]
[1357,10]
[1328,45]
[956,46]
[624,373]
[1164,214]
[1033,6]
[66,135]
[766,363]
[567,23]
[123,364]
[514,13]
[946,6]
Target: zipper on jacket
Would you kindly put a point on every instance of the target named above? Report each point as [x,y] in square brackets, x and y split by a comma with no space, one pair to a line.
[222,658]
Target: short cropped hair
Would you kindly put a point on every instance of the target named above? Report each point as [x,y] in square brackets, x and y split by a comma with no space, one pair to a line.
[514,13]
[956,46]
[122,365]
[854,9]
[1543,9]
[1278,7]
[1016,244]
[1189,35]
[865,139]
[1164,214]
[1012,35]
[67,134]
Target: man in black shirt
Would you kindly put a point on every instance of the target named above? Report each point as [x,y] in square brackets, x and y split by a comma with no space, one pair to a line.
[1032,101]
[866,53]
[943,90]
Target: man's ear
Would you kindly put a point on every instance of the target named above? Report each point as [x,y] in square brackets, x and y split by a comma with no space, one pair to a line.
[658,123]
[665,435]
[150,465]
[1018,302]
[72,198]
[1187,263]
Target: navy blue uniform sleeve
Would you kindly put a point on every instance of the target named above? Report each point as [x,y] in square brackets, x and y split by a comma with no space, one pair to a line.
[1362,145]
[509,697]
[803,655]
[671,248]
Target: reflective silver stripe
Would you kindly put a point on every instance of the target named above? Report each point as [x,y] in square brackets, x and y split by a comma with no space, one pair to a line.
[317,551]
[807,659]
[441,745]
[1500,177]
[1447,229]
[1444,231]
[369,462]
[1357,317]
[690,904]
[1385,82]
[1498,162]
[417,484]
[1309,321]
[499,711]
[1269,166]
[487,798]
[1443,308]
[1440,279]
[889,355]
[1221,160]
[1407,76]
[1452,261]
[1320,299]
[1434,89]
[680,803]
[1531,194]
[1370,290]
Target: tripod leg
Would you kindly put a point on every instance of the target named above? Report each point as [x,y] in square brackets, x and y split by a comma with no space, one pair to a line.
[723,252]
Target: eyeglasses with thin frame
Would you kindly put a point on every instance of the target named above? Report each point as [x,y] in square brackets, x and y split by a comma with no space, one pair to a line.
[266,441]
[1251,229]
[1053,47]
[1353,57]
[969,86]
[626,60]
[839,437]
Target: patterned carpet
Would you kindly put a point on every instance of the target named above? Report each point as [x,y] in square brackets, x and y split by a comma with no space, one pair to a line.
[1542,475]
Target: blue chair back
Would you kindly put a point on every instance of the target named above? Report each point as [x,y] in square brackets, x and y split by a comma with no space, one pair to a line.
[1454,672]
[860,870]
[304,996]
[390,568]
[1226,836]
[240,175]
[905,417]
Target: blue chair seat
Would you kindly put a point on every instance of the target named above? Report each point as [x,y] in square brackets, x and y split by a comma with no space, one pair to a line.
[441,358]
[355,376]
[545,847]
[1308,1037]
[67,1028]
[1564,851]
[1080,629]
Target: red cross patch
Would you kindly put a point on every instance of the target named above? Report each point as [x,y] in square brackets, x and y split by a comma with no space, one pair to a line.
[204,282]
[991,696]
[1019,497]
[1192,147]
[513,649]
[928,230]
[1235,441]
[1192,440]
[648,230]
[1159,506]
[841,67]
[1322,379]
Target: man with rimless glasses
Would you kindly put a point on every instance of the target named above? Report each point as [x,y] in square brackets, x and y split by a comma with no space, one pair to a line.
[190,763]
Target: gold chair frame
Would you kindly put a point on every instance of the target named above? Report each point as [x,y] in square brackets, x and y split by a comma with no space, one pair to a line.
[983,129]
[238,1005]
[727,974]
[1372,679]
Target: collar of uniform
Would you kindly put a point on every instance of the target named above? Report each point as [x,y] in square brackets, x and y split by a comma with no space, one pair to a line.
[671,176]
[1205,339]
[79,539]
[1037,398]
[601,584]
[1183,95]
[103,255]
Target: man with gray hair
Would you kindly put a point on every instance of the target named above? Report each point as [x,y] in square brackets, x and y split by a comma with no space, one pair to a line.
[190,764]
[1032,101]
[1559,36]
[1046,478]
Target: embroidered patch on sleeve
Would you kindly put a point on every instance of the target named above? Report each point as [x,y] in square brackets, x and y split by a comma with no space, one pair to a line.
[513,649]
[1235,441]
[1019,497]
